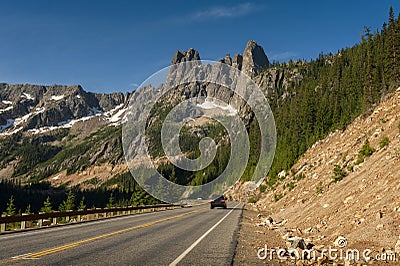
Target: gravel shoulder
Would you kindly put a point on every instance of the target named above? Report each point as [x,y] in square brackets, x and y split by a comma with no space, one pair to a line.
[251,238]
[254,234]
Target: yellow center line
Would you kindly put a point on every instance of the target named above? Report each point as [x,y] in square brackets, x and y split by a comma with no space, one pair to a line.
[77,243]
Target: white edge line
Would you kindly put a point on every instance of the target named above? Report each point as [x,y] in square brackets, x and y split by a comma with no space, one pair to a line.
[178,259]
[26,254]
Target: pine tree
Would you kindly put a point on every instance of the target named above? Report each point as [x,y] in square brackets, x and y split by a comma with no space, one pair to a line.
[10,210]
[110,203]
[392,50]
[28,209]
[82,205]
[47,208]
[68,204]
[368,98]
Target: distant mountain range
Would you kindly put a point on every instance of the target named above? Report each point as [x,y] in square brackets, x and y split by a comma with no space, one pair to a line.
[67,121]
[39,109]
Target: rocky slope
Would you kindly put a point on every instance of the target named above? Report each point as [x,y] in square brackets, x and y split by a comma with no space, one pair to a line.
[364,206]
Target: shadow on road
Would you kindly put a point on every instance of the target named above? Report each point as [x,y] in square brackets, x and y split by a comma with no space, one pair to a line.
[227,209]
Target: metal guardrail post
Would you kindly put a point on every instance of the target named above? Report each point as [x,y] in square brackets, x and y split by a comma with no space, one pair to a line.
[40,221]
[3,225]
[23,223]
[67,218]
[96,215]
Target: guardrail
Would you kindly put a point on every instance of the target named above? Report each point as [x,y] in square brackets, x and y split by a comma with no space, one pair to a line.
[54,218]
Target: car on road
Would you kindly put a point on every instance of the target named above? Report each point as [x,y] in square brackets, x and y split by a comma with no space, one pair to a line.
[186,205]
[218,202]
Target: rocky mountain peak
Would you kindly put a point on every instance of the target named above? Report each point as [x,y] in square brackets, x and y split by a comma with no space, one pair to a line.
[251,62]
[237,61]
[227,60]
[183,56]
[254,59]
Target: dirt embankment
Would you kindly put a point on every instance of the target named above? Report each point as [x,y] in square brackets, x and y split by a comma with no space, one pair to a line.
[364,207]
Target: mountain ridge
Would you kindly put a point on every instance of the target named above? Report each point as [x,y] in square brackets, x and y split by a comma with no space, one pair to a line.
[78,117]
[37,107]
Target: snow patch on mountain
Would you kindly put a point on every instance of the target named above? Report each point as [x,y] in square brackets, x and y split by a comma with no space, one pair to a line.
[23,119]
[9,133]
[6,109]
[39,110]
[114,116]
[117,116]
[57,97]
[213,105]
[94,112]
[27,96]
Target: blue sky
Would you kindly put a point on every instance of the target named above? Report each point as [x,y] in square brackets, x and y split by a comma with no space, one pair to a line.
[111,46]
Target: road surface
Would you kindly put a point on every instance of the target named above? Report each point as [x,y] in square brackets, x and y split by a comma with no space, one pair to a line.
[185,236]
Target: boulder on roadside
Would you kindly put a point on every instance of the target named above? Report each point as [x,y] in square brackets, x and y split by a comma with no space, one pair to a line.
[269,220]
[297,242]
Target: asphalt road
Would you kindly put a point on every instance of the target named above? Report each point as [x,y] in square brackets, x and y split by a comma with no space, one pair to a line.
[186,236]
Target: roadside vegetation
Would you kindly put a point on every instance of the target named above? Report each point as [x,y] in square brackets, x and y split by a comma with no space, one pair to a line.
[119,191]
[339,174]
[384,142]
[365,152]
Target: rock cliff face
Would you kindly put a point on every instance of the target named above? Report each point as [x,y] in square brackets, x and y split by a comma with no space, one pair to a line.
[237,61]
[251,62]
[254,62]
[109,101]
[254,59]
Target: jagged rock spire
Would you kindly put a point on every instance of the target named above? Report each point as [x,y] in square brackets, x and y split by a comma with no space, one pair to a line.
[183,56]
[254,59]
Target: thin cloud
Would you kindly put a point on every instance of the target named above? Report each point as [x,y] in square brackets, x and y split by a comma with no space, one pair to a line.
[133,85]
[220,12]
[282,56]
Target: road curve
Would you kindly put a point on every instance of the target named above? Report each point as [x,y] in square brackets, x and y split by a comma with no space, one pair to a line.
[187,236]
